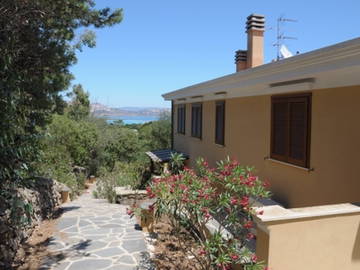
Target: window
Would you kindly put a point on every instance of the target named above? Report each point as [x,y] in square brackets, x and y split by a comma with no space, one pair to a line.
[290,129]
[181,119]
[220,122]
[196,120]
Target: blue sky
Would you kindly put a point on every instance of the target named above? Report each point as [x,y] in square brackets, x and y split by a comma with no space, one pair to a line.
[164,45]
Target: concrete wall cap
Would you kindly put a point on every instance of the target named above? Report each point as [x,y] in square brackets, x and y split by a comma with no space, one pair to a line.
[279,213]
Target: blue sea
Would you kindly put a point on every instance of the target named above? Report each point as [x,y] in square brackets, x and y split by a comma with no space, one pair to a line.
[132,119]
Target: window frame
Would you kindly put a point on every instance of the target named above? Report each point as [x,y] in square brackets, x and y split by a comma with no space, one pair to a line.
[181,127]
[220,141]
[200,120]
[288,99]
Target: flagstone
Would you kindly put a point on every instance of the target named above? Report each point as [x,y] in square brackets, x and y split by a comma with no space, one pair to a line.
[134,245]
[109,252]
[94,234]
[90,264]
[126,259]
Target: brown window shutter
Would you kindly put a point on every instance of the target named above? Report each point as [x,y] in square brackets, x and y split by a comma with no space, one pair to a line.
[220,122]
[196,120]
[184,119]
[280,124]
[181,119]
[193,121]
[200,121]
[298,131]
[290,129]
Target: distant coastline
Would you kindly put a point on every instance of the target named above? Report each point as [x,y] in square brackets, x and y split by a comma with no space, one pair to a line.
[100,110]
[129,115]
[130,119]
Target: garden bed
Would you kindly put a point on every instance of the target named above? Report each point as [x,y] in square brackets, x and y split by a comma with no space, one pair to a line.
[190,237]
[31,255]
[171,251]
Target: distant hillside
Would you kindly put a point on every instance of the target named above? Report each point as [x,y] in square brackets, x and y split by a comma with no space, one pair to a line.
[100,110]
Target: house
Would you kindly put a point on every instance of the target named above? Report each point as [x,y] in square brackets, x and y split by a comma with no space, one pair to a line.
[297,121]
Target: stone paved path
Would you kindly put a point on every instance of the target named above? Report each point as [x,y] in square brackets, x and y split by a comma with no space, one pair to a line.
[96,235]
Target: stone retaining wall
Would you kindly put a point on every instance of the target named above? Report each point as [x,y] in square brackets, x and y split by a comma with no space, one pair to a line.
[42,197]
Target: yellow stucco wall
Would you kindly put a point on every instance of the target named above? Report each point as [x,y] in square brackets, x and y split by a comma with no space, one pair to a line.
[262,245]
[321,243]
[334,154]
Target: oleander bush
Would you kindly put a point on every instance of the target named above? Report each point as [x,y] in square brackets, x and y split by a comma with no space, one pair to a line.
[192,198]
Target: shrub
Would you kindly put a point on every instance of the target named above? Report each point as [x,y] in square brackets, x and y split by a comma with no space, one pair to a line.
[123,175]
[156,134]
[105,189]
[192,198]
[176,162]
[67,143]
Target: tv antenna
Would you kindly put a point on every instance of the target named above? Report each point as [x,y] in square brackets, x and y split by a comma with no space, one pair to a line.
[280,36]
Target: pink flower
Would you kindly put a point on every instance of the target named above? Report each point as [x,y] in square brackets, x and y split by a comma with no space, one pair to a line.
[254,258]
[202,252]
[129,212]
[266,184]
[225,173]
[244,201]
[234,257]
[185,199]
[248,224]
[250,236]
[155,181]
[150,192]
[233,201]
[252,178]
[250,181]
[206,212]
[235,163]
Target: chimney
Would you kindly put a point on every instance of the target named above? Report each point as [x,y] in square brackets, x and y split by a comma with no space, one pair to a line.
[255,27]
[240,60]
[254,56]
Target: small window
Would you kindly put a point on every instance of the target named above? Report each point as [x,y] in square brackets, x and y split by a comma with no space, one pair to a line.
[290,129]
[181,119]
[220,122]
[196,120]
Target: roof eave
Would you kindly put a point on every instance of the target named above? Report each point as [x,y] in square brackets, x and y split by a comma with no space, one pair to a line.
[332,55]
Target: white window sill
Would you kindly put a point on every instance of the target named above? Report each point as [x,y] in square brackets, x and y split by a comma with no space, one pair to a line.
[289,164]
[220,145]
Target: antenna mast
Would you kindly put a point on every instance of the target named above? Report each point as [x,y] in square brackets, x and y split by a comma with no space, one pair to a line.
[280,37]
